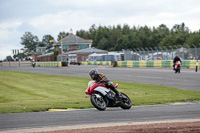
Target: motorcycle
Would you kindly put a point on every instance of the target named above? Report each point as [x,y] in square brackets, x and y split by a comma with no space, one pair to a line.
[102,97]
[177,67]
[33,64]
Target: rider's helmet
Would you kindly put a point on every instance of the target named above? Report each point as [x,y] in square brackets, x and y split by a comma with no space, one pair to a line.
[93,74]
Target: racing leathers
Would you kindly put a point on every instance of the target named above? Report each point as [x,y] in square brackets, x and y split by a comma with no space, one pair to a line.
[175,60]
[101,78]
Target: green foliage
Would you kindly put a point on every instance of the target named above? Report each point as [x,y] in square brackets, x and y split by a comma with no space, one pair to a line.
[19,56]
[126,37]
[46,41]
[62,35]
[9,58]
[30,42]
[27,92]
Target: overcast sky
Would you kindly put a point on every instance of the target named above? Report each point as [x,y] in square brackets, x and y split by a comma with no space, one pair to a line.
[44,17]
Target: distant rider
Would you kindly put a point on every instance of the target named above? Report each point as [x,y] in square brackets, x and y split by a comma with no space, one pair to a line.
[33,63]
[176,59]
[101,78]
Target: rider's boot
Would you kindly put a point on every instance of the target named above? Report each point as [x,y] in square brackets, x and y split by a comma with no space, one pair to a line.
[118,95]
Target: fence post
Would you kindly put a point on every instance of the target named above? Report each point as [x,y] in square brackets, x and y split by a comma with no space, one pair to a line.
[152,52]
[166,52]
[176,49]
[139,51]
[157,53]
[143,52]
[172,52]
[147,50]
[161,52]
[195,50]
[188,51]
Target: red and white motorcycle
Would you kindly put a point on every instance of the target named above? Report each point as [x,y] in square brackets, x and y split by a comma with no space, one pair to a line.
[177,67]
[102,97]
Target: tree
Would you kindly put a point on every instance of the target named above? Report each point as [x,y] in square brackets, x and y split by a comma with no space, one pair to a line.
[124,37]
[62,35]
[102,32]
[9,58]
[103,43]
[115,34]
[19,56]
[46,41]
[194,38]
[30,42]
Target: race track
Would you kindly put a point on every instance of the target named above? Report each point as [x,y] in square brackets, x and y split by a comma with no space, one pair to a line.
[187,79]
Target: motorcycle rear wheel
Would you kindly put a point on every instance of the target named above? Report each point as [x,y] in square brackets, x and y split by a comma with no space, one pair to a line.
[98,101]
[125,102]
[179,70]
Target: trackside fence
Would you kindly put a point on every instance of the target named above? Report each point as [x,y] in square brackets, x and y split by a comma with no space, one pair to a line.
[156,63]
[160,64]
[29,63]
[96,63]
[16,63]
[48,64]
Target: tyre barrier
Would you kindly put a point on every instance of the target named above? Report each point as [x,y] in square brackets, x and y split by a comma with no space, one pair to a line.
[161,64]
[157,63]
[96,63]
[48,64]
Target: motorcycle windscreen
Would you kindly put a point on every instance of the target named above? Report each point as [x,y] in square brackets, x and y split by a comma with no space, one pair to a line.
[90,83]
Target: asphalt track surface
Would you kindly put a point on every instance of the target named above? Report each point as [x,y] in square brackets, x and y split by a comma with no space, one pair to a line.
[187,79]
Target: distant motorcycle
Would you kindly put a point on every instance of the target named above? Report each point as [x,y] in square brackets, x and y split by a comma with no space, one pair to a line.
[102,97]
[177,67]
[33,64]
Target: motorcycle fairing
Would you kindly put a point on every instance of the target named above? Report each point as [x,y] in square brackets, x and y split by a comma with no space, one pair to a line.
[102,90]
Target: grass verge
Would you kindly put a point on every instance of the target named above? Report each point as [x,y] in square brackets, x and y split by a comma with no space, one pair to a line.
[28,92]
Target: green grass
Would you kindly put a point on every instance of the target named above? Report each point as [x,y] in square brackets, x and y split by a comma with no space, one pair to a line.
[27,92]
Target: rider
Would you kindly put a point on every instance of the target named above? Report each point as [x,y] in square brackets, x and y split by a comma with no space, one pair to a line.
[101,78]
[176,59]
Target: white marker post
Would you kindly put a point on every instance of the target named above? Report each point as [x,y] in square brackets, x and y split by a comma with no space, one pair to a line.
[197,66]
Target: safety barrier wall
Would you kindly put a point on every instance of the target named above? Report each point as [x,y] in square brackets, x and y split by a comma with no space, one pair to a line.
[167,63]
[160,63]
[48,64]
[16,63]
[96,62]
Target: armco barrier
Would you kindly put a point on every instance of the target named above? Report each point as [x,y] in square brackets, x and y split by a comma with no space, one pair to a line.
[136,64]
[150,63]
[163,64]
[96,62]
[193,64]
[167,63]
[157,63]
[186,63]
[48,64]
[142,63]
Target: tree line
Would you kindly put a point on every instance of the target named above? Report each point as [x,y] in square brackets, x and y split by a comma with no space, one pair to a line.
[118,37]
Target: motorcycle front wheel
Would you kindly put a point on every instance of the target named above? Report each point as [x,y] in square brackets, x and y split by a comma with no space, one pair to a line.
[125,102]
[98,101]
